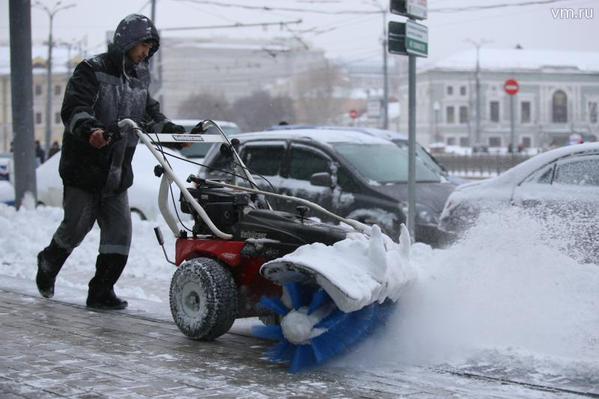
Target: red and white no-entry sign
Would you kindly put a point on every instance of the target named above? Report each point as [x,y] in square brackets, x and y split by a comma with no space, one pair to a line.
[511,87]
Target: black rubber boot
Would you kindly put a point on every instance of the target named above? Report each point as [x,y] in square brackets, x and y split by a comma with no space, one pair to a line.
[49,263]
[101,288]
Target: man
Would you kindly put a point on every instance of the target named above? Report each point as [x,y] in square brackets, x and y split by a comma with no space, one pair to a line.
[40,155]
[95,163]
[54,148]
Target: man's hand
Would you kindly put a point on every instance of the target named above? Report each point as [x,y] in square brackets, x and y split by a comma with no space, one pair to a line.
[97,140]
[170,127]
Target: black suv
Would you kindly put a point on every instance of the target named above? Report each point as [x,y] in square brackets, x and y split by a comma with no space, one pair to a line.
[350,173]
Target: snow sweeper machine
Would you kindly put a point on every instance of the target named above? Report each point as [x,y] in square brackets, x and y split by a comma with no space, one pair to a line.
[244,259]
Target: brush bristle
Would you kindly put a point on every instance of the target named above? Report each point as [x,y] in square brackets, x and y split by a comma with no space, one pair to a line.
[343,330]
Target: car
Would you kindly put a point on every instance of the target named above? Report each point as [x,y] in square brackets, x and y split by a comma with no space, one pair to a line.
[197,151]
[143,194]
[563,182]
[399,139]
[5,161]
[350,173]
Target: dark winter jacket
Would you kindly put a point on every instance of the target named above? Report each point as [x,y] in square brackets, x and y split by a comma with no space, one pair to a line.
[103,90]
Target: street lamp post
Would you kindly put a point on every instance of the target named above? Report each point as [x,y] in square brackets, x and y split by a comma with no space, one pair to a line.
[51,13]
[477,89]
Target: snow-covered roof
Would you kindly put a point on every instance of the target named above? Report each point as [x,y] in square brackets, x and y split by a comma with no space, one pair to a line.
[321,135]
[521,59]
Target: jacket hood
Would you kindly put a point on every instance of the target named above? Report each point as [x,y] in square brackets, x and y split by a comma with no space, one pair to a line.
[134,29]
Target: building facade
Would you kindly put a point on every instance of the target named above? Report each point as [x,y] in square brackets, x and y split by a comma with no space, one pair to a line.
[234,68]
[60,76]
[558,97]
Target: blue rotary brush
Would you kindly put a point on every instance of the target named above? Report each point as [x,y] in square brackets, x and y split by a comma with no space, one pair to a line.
[313,329]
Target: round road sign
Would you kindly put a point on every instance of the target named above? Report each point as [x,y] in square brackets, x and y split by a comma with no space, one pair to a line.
[511,87]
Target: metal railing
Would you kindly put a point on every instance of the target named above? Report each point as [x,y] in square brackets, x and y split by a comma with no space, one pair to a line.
[479,164]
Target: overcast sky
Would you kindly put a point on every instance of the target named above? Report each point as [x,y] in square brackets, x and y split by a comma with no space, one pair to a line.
[355,36]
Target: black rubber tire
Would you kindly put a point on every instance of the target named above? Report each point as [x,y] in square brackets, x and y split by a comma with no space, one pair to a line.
[203,299]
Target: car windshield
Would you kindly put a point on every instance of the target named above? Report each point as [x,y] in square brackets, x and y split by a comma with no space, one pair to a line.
[421,153]
[384,163]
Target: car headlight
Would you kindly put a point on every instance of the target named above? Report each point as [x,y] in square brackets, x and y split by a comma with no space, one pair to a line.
[424,214]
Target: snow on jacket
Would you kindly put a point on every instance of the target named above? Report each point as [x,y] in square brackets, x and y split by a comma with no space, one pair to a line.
[103,90]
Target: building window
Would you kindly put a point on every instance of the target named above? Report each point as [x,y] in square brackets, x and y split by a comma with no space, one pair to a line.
[494,111]
[38,118]
[462,90]
[560,107]
[38,90]
[464,142]
[593,111]
[525,112]
[450,90]
[526,142]
[494,141]
[57,90]
[450,140]
[57,119]
[463,114]
[450,114]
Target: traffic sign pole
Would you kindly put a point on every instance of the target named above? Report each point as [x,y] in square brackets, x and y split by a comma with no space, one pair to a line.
[411,39]
[412,145]
[511,87]
[513,123]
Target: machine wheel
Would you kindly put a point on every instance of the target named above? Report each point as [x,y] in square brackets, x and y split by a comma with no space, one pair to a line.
[203,299]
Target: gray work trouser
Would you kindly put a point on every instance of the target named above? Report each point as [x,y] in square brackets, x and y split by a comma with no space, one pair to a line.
[82,209]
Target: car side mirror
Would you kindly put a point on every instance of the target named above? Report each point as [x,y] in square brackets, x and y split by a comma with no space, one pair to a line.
[321,179]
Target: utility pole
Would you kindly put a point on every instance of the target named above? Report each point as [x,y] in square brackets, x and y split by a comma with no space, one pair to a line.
[385,75]
[21,79]
[154,64]
[51,13]
[385,101]
[477,90]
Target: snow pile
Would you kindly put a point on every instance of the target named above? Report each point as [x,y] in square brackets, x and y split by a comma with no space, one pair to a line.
[7,191]
[355,272]
[507,291]
[26,232]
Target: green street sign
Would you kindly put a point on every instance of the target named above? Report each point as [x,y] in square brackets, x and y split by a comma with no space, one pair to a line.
[416,39]
[407,38]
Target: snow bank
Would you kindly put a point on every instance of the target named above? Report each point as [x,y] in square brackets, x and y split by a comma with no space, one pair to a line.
[24,233]
[355,272]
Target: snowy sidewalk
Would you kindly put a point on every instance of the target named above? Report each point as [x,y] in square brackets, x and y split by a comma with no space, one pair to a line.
[57,349]
[53,349]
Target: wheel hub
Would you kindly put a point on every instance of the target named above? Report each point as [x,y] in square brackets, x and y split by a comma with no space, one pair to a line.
[191,299]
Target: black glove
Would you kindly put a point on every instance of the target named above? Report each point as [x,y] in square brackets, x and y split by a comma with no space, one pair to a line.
[170,127]
[112,133]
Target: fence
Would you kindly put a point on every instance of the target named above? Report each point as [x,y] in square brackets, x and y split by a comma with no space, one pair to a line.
[479,165]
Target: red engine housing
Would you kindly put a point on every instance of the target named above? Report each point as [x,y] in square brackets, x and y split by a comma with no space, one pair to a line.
[251,286]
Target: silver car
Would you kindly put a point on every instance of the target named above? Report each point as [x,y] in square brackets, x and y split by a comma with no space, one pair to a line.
[562,183]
